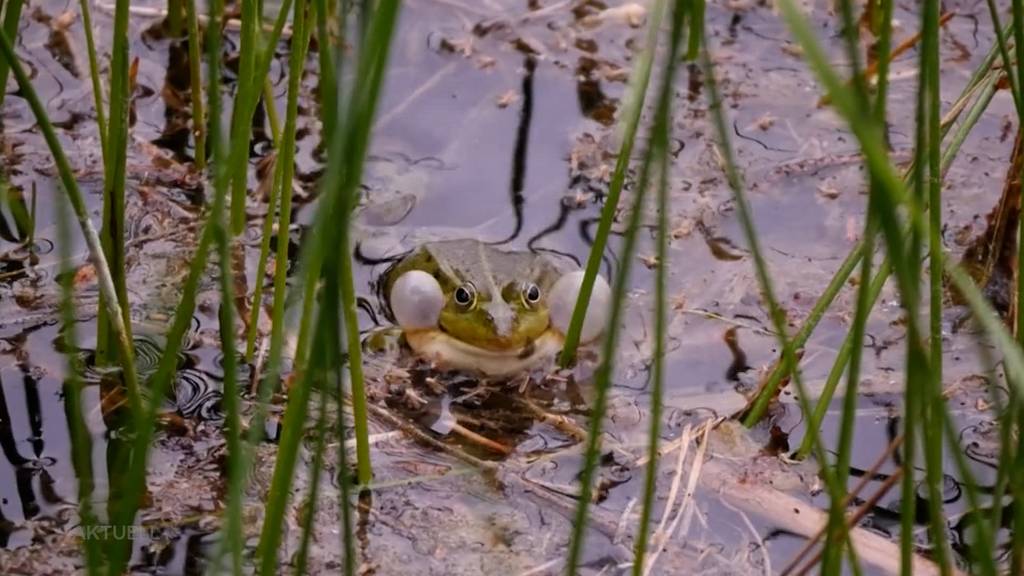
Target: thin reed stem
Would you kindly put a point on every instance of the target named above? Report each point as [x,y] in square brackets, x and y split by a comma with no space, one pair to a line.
[196,84]
[114,182]
[775,312]
[602,379]
[934,401]
[241,121]
[659,151]
[94,76]
[81,441]
[261,263]
[12,15]
[639,79]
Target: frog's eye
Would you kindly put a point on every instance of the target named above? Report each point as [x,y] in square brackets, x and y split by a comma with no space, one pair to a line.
[465,295]
[531,294]
[416,300]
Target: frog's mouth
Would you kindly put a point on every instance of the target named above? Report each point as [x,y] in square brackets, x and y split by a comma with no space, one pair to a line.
[449,352]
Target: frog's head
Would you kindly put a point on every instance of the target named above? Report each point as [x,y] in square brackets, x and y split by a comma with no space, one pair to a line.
[472,306]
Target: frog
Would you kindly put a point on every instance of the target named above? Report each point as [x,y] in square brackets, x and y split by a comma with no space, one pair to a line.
[470,306]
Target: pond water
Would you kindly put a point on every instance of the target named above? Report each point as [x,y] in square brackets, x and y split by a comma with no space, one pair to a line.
[497,123]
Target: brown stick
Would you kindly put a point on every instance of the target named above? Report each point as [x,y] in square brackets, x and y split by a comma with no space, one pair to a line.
[481,440]
[882,458]
[871,70]
[857,516]
[418,434]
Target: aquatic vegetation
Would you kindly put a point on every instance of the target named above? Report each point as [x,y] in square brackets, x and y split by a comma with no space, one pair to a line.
[300,409]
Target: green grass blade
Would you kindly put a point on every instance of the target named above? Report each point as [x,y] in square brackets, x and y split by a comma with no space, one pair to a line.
[359,412]
[658,375]
[114,182]
[358,123]
[695,35]
[77,200]
[844,446]
[845,356]
[293,425]
[330,62]
[286,158]
[284,468]
[639,79]
[261,264]
[249,86]
[298,395]
[309,510]
[603,376]
[883,54]
[984,81]
[12,15]
[159,383]
[254,66]
[1004,54]
[104,278]
[81,443]
[218,221]
[262,68]
[776,314]
[94,76]
[196,84]
[325,53]
[659,150]
[173,21]
[935,409]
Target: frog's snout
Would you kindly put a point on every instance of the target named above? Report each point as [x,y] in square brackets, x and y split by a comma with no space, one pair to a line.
[502,317]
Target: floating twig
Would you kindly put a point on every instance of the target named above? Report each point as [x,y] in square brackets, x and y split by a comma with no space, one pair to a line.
[875,467]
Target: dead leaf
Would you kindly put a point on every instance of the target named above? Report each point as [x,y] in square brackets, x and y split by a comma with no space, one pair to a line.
[792,49]
[632,14]
[64,21]
[86,274]
[678,302]
[828,191]
[684,229]
[507,99]
[650,261]
[852,229]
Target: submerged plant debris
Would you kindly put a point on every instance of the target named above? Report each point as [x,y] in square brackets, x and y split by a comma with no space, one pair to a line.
[497,123]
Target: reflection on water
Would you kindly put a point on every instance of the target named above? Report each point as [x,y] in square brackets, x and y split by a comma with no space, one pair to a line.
[519,151]
[35,441]
[176,95]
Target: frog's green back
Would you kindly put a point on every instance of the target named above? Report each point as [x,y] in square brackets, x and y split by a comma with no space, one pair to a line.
[490,268]
[463,260]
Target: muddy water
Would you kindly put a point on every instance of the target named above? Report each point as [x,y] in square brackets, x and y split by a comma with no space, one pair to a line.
[496,123]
